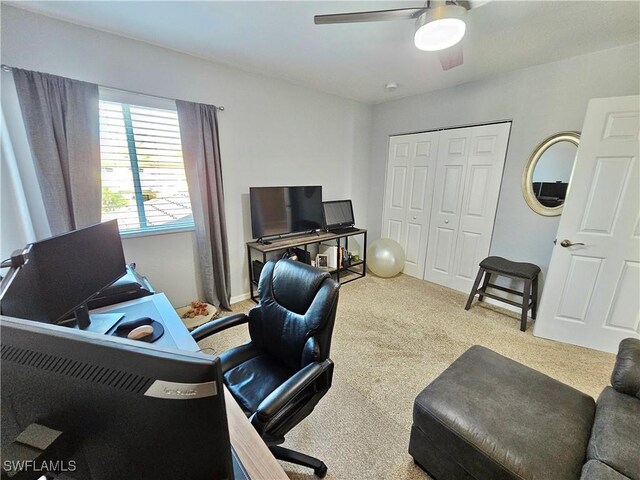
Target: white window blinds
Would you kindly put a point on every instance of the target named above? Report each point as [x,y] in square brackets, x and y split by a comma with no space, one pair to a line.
[143,179]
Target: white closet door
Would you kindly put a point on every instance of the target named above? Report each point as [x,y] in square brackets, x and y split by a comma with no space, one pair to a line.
[468,179]
[409,189]
[447,201]
[483,178]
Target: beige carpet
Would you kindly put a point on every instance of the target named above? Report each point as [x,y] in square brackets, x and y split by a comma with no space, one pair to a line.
[392,337]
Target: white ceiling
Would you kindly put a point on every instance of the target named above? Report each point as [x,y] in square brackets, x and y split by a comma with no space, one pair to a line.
[279,38]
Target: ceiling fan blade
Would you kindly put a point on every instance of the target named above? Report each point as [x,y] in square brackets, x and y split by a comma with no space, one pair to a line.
[374,16]
[451,57]
[475,3]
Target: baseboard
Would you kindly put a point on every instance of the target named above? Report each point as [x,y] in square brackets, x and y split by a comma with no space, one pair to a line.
[240,298]
[497,303]
[490,301]
[506,306]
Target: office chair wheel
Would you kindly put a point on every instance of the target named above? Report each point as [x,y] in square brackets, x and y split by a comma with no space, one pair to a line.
[321,471]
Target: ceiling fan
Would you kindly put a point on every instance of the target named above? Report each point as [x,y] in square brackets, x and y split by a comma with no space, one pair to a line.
[440,25]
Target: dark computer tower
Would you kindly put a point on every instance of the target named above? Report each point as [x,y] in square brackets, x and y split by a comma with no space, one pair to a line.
[303,255]
[257,270]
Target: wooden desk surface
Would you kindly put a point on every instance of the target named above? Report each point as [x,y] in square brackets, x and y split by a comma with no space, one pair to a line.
[253,453]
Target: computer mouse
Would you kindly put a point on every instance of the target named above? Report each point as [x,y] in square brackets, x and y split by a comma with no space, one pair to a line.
[140,332]
[131,324]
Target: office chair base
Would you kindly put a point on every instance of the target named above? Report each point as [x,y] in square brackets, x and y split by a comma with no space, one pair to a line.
[282,453]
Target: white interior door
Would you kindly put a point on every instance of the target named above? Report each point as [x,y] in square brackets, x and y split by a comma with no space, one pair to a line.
[409,188]
[592,293]
[468,179]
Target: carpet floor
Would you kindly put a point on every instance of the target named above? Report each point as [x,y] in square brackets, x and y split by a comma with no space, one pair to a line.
[391,338]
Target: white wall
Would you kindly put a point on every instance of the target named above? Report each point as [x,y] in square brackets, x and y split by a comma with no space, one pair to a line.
[16,228]
[271,132]
[540,100]
[170,263]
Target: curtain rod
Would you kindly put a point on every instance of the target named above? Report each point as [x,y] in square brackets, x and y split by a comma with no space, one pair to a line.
[8,68]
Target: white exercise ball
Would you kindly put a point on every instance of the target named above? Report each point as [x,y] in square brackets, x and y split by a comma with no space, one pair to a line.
[385,257]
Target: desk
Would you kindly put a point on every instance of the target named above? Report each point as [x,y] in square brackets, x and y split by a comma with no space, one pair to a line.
[252,452]
[308,246]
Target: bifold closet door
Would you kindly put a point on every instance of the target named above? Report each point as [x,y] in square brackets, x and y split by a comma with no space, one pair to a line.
[408,193]
[467,184]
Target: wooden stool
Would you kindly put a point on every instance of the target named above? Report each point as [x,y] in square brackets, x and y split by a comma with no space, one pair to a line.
[522,271]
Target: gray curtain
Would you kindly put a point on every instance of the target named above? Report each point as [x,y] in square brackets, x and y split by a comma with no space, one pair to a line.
[201,150]
[62,122]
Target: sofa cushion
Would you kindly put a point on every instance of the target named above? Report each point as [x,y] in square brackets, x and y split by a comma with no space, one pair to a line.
[626,373]
[615,438]
[595,470]
[502,420]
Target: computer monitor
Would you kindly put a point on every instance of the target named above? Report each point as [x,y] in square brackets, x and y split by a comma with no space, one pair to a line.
[125,410]
[536,188]
[562,190]
[63,272]
[338,214]
[549,189]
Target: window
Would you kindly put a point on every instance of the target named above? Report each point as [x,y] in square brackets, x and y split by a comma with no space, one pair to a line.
[144,185]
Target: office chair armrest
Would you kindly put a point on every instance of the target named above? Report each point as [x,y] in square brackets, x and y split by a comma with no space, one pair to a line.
[289,390]
[218,325]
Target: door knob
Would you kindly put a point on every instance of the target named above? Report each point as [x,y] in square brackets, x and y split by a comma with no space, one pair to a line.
[446,221]
[414,217]
[568,243]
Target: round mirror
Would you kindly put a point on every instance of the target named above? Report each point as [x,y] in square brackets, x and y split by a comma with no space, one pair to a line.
[546,177]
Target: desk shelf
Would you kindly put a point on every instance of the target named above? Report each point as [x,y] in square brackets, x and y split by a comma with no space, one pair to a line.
[344,274]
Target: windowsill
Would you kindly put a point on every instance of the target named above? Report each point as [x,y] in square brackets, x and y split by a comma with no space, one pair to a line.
[148,233]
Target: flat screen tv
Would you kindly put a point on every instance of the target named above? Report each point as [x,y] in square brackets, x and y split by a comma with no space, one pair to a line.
[283,210]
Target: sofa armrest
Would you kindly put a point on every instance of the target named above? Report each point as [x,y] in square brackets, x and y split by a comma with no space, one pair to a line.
[625,377]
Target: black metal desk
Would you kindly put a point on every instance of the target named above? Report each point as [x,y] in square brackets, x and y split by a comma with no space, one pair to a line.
[342,273]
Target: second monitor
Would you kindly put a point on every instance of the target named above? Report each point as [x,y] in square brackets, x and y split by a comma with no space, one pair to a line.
[62,273]
[338,216]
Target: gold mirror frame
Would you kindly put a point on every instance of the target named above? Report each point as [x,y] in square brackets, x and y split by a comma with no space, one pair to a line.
[527,177]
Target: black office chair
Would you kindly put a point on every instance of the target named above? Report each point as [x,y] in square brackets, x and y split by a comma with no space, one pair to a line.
[281,374]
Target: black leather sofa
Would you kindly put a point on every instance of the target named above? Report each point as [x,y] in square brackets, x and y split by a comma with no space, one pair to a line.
[488,417]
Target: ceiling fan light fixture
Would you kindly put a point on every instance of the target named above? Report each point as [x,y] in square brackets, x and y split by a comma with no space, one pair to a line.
[439,28]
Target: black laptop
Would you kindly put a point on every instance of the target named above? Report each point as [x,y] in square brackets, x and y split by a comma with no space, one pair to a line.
[338,216]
